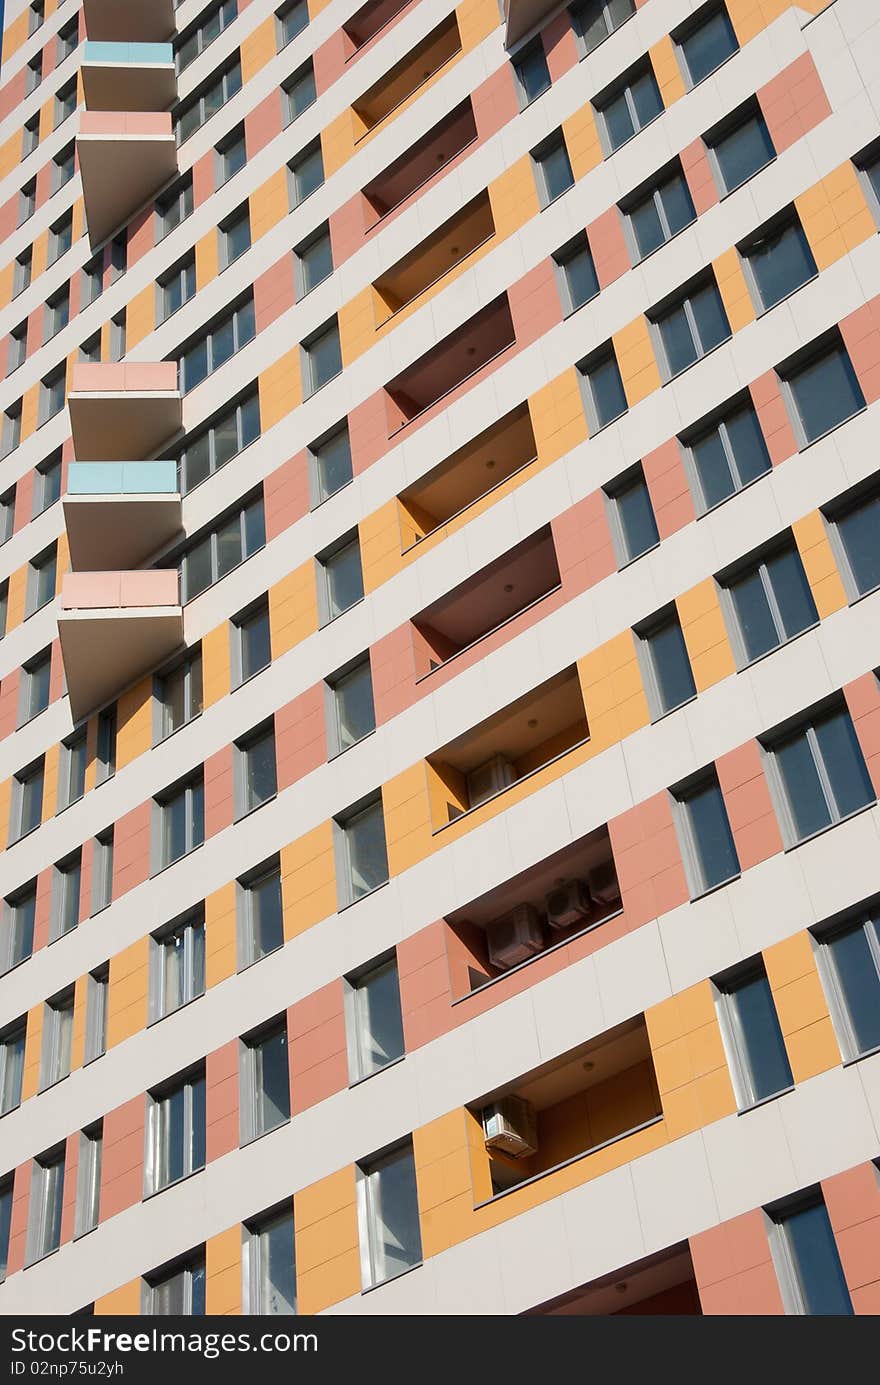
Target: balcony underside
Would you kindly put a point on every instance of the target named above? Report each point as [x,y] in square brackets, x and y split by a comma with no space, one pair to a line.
[130,423]
[120,172]
[111,85]
[127,21]
[521,16]
[109,532]
[106,649]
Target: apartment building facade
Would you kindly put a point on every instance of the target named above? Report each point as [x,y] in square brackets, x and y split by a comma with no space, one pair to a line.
[439,701]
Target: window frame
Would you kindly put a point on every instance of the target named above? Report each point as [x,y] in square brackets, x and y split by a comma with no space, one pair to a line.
[305,73]
[45,1205]
[219,80]
[706,15]
[342,843]
[189,926]
[652,191]
[733,1036]
[326,612]
[776,228]
[731,125]
[530,50]
[245,917]
[88,1179]
[756,563]
[56,1048]
[643,634]
[356,1034]
[719,421]
[19,917]
[835,514]
[318,491]
[251,1125]
[245,800]
[256,611]
[304,156]
[227,228]
[97,998]
[238,412]
[832,344]
[601,7]
[311,384]
[368,1215]
[332,684]
[175,287]
[66,882]
[211,534]
[553,144]
[12,1037]
[824,938]
[622,87]
[73,758]
[805,726]
[156,1158]
[612,492]
[682,301]
[256,1229]
[22,780]
[603,356]
[681,798]
[783,1254]
[317,238]
[180,196]
[192,789]
[573,249]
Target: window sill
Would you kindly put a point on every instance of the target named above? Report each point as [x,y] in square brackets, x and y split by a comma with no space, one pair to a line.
[671,379]
[160,870]
[325,498]
[346,748]
[167,1015]
[554,947]
[643,259]
[392,1063]
[177,730]
[184,1178]
[713,889]
[254,808]
[761,311]
[609,153]
[551,201]
[820,437]
[628,562]
[860,1057]
[468,812]
[339,614]
[244,682]
[695,86]
[575,308]
[371,1288]
[38,1259]
[341,908]
[710,510]
[829,827]
[254,961]
[759,658]
[764,1101]
[603,426]
[728,192]
[670,711]
[262,1134]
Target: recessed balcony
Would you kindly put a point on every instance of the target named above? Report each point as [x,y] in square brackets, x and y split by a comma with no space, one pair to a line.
[129,21]
[521,16]
[128,76]
[448,364]
[434,51]
[123,410]
[113,627]
[661,1285]
[465,477]
[118,514]
[437,148]
[445,248]
[494,596]
[516,742]
[125,157]
[368,21]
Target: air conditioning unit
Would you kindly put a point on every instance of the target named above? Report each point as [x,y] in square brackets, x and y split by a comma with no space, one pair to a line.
[509,1126]
[603,883]
[488,779]
[568,904]
[515,937]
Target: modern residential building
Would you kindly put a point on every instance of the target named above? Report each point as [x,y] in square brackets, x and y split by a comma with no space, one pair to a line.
[439,701]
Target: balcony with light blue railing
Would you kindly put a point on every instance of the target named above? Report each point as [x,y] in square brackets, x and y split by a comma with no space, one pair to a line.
[129,21]
[134,76]
[119,514]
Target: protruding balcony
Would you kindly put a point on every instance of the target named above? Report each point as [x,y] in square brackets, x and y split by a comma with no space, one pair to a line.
[126,21]
[521,16]
[123,410]
[119,513]
[113,627]
[125,157]
[129,76]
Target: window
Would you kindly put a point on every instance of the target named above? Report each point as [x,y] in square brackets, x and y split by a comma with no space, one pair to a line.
[253,643]
[63,168]
[30,136]
[224,548]
[175,1131]
[271,1265]
[179,694]
[306,174]
[633,526]
[33,74]
[388,1215]
[66,880]
[4,607]
[11,428]
[849,956]
[868,165]
[6,1187]
[212,350]
[210,24]
[97,987]
[176,287]
[27,201]
[313,261]
[290,20]
[88,1179]
[807,1260]
[265,1077]
[666,668]
[331,467]
[778,260]
[690,327]
[211,97]
[19,914]
[299,92]
[7,515]
[47,1192]
[52,396]
[17,348]
[576,273]
[818,775]
[654,216]
[106,746]
[235,236]
[181,813]
[351,710]
[822,391]
[102,871]
[174,206]
[65,102]
[57,1039]
[231,155]
[27,800]
[594,20]
[57,313]
[321,357]
[72,773]
[602,389]
[34,696]
[752,1036]
[209,450]
[177,1292]
[21,275]
[854,528]
[117,336]
[361,854]
[739,148]
[256,779]
[373,1021]
[632,105]
[706,42]
[341,582]
[92,282]
[552,165]
[36,15]
[531,73]
[11,1065]
[177,965]
[68,40]
[704,834]
[724,456]
[260,913]
[768,601]
[118,256]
